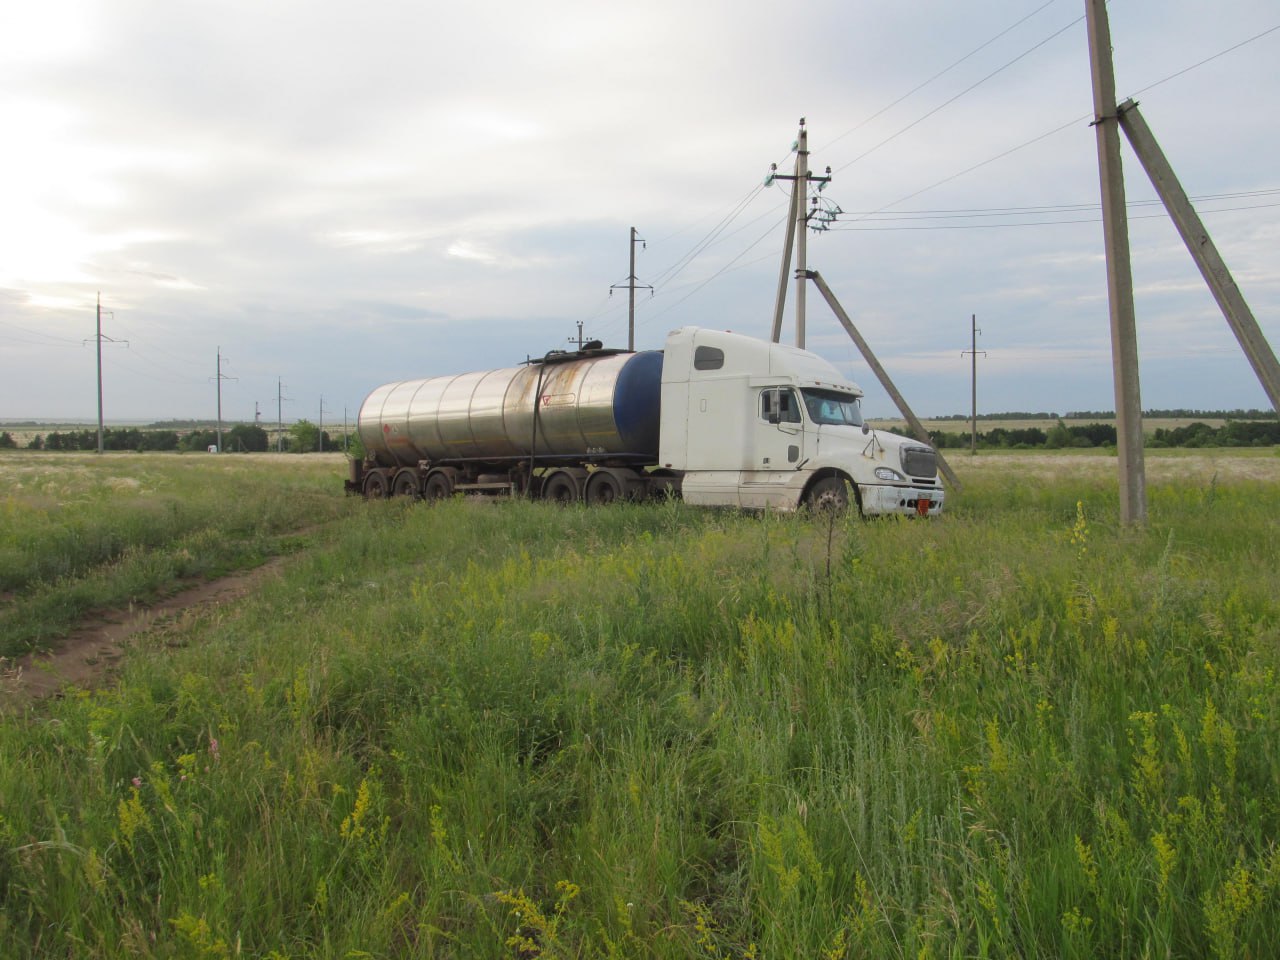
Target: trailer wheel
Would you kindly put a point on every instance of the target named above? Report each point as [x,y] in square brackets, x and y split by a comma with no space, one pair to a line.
[829,493]
[560,488]
[604,486]
[405,483]
[438,486]
[375,485]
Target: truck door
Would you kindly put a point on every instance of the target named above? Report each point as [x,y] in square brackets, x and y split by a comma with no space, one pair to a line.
[777,448]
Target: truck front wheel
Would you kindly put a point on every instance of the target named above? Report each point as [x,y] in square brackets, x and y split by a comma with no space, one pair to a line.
[829,493]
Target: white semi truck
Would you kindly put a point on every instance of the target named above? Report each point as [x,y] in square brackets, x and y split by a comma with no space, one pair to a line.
[718,418]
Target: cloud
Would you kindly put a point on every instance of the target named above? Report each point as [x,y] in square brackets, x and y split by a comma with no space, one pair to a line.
[342,196]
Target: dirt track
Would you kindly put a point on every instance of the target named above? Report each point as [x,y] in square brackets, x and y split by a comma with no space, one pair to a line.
[86,656]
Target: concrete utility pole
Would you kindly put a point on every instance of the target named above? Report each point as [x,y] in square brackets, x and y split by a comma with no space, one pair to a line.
[973,352]
[917,428]
[630,286]
[579,337]
[1202,249]
[797,222]
[98,338]
[802,235]
[219,377]
[1124,337]
[280,399]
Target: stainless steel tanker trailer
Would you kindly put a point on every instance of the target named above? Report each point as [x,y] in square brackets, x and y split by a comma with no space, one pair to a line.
[716,417]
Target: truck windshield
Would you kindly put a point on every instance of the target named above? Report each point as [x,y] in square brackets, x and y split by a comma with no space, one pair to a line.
[830,407]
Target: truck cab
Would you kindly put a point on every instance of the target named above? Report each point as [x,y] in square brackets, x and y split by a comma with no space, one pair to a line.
[768,426]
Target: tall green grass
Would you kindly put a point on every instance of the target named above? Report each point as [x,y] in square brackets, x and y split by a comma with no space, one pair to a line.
[509,730]
[79,533]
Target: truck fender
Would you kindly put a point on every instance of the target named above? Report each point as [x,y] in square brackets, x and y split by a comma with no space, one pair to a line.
[820,488]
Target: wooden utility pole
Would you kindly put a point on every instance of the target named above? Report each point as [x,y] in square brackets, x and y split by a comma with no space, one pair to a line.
[1202,249]
[1124,337]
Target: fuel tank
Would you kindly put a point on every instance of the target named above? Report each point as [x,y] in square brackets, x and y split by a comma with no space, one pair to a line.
[589,407]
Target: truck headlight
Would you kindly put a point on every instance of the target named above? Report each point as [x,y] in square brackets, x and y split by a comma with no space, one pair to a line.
[888,473]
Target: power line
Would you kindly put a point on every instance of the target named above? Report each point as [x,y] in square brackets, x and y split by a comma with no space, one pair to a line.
[38,333]
[940,73]
[1223,53]
[726,267]
[1037,223]
[1044,136]
[676,268]
[965,212]
[966,90]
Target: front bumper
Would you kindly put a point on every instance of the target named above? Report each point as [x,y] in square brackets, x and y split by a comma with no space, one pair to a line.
[905,501]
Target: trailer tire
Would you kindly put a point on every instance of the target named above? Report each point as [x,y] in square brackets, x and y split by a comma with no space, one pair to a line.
[406,484]
[375,485]
[438,486]
[603,487]
[561,488]
[829,493]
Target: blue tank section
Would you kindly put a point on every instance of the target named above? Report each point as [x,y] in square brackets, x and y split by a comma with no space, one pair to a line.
[637,403]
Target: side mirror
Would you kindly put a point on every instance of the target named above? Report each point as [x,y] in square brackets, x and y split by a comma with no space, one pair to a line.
[865,429]
[773,406]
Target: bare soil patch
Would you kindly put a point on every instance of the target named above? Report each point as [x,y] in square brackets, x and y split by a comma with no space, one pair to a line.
[87,656]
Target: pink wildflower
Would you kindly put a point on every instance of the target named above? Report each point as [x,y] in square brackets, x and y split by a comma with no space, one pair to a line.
[137,782]
[213,747]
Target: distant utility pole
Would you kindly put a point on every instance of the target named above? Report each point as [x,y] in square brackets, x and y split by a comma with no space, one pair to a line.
[346,436]
[320,431]
[98,338]
[797,223]
[1115,227]
[280,399]
[257,414]
[218,378]
[631,286]
[973,352]
[579,336]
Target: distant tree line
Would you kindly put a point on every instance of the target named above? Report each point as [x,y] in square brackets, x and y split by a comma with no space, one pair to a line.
[1111,415]
[1235,433]
[303,437]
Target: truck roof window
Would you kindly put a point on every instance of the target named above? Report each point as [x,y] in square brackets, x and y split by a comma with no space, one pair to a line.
[708,358]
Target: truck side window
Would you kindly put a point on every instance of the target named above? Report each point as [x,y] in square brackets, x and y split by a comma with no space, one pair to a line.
[708,358]
[788,410]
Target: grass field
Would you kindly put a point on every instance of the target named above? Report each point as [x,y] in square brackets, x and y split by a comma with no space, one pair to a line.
[509,730]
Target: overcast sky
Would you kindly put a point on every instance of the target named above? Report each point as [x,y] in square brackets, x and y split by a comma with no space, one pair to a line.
[342,195]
